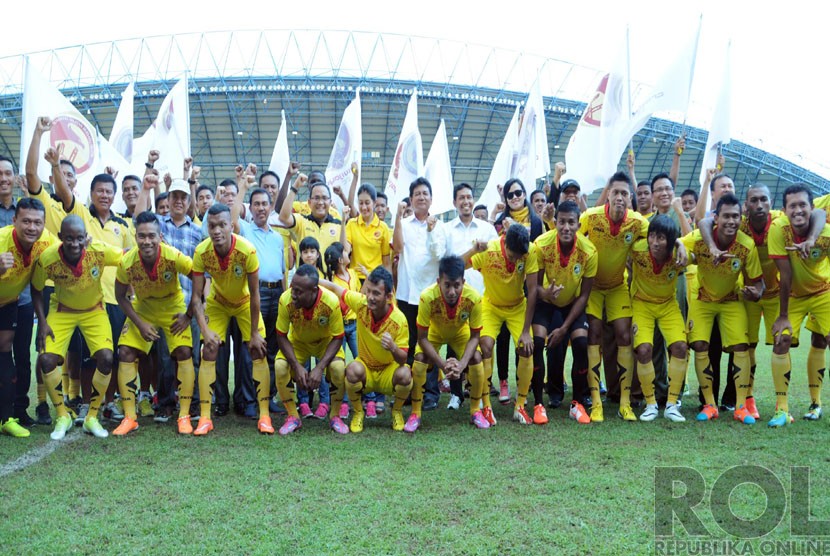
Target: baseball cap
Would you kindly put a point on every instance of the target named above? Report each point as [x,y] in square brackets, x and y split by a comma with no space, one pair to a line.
[569,183]
[179,185]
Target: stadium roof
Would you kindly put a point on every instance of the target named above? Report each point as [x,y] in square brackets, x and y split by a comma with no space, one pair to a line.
[239,81]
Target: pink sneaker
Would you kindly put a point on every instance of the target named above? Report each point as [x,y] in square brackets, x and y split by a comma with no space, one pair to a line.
[479,421]
[412,423]
[344,410]
[338,426]
[371,411]
[322,411]
[291,424]
[305,411]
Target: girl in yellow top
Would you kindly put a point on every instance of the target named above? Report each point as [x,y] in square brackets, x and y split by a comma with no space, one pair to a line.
[310,254]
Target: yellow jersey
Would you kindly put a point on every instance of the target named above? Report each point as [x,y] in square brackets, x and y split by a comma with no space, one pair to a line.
[354,285]
[369,332]
[435,315]
[228,274]
[651,282]
[159,282]
[504,281]
[326,233]
[321,323]
[810,276]
[569,270]
[768,266]
[77,287]
[15,279]
[370,242]
[613,242]
[54,209]
[720,283]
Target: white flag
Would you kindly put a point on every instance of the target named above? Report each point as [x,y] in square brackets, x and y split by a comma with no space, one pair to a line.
[408,163]
[348,148]
[502,165]
[169,133]
[71,134]
[109,156]
[533,159]
[720,129]
[616,118]
[438,172]
[280,158]
[582,154]
[121,136]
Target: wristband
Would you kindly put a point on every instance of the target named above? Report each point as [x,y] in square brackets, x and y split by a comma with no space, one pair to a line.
[295,190]
[192,182]
[148,164]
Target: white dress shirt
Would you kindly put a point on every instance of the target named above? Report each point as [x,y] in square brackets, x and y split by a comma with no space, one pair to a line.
[460,239]
[418,264]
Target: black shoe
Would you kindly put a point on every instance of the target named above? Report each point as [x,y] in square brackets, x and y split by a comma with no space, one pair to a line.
[42,413]
[251,411]
[24,420]
[429,405]
[555,401]
[221,410]
[588,403]
[726,407]
[275,407]
[74,404]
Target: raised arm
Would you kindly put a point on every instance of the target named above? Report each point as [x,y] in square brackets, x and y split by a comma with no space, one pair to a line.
[286,211]
[61,188]
[293,170]
[33,183]
[679,147]
[397,233]
[353,188]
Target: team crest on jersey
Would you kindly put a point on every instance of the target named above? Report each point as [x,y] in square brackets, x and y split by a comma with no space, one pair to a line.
[628,238]
[465,316]
[736,265]
[672,274]
[237,270]
[520,267]
[815,253]
[323,321]
[167,276]
[116,231]
[332,232]
[95,272]
[125,328]
[577,269]
[377,234]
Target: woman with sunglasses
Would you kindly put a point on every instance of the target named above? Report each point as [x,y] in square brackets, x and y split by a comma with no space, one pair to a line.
[517,210]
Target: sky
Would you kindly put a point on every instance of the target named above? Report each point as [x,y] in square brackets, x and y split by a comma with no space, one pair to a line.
[779,59]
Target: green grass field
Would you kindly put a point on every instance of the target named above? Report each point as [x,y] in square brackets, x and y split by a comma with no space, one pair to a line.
[449,489]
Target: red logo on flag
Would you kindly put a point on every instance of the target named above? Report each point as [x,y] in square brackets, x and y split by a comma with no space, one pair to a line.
[593,112]
[73,141]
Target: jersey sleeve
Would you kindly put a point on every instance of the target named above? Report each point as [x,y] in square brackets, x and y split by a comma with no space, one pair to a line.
[583,224]
[349,233]
[252,262]
[355,300]
[477,260]
[112,255]
[532,260]
[184,264]
[385,241]
[39,276]
[336,326]
[643,233]
[775,242]
[477,316]
[121,272]
[423,311]
[689,241]
[283,322]
[752,270]
[198,263]
[592,264]
[402,337]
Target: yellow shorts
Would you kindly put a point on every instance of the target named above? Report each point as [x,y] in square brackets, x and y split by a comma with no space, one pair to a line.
[457,343]
[94,325]
[731,317]
[161,317]
[666,315]
[493,317]
[817,310]
[769,309]
[219,318]
[380,381]
[303,352]
[616,301]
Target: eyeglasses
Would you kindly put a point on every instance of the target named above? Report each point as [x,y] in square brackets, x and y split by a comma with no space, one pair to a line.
[662,189]
[319,199]
[513,194]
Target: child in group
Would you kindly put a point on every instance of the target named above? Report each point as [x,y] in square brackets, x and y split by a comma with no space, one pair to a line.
[310,254]
[337,270]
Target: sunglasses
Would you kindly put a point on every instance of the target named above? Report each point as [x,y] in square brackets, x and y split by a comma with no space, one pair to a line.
[513,194]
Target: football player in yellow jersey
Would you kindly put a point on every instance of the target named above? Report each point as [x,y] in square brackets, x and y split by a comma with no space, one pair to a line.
[309,324]
[718,297]
[382,343]
[569,262]
[233,266]
[654,302]
[508,265]
[449,312]
[77,269]
[612,228]
[152,269]
[805,289]
[20,246]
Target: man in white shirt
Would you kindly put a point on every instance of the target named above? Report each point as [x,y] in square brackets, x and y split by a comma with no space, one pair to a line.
[421,242]
[462,232]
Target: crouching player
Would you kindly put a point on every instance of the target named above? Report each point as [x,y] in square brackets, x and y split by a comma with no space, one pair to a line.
[449,312]
[654,302]
[153,269]
[309,324]
[76,268]
[382,343]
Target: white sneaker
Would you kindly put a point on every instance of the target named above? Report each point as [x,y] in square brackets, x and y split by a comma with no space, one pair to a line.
[62,424]
[83,410]
[455,402]
[672,413]
[650,413]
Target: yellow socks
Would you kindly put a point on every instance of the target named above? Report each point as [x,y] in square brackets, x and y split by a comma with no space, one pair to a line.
[262,383]
[487,365]
[127,373]
[207,380]
[677,376]
[815,373]
[781,380]
[645,371]
[742,376]
[186,376]
[475,375]
[100,383]
[524,373]
[625,373]
[419,379]
[54,387]
[594,362]
[337,386]
[285,388]
[401,393]
[703,368]
[355,391]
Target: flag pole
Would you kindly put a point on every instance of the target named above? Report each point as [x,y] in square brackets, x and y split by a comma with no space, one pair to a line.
[691,80]
[628,80]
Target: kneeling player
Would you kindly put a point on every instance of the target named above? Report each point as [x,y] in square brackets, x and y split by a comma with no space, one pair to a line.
[233,266]
[449,312]
[382,343]
[153,269]
[309,324]
[77,302]
[654,301]
[569,263]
